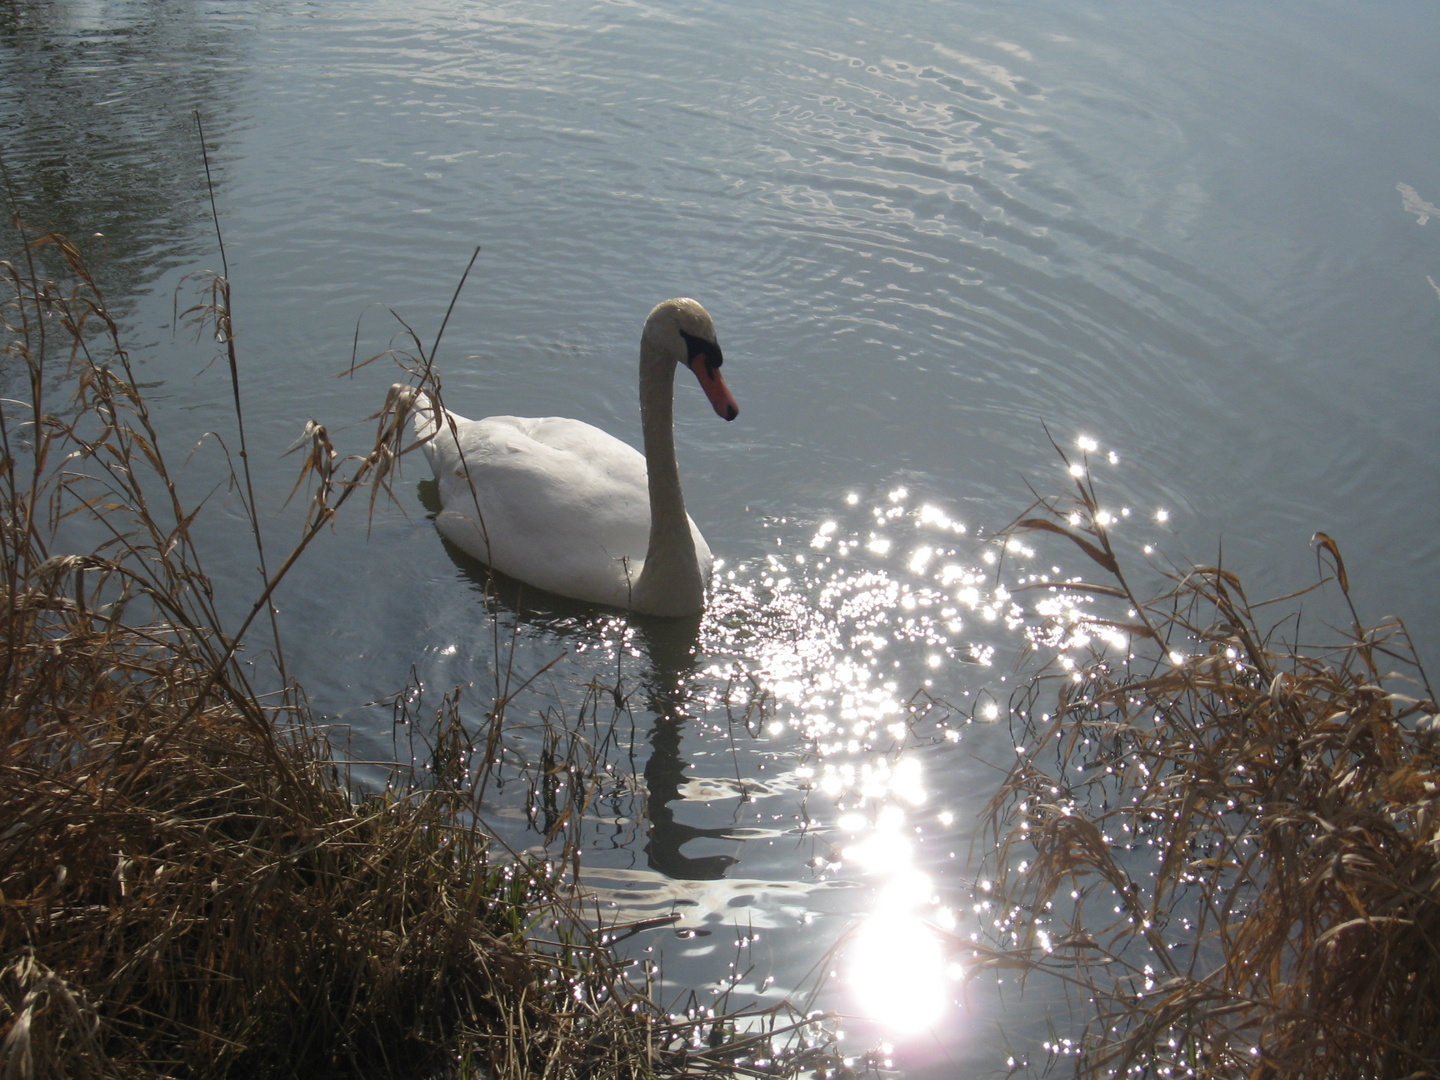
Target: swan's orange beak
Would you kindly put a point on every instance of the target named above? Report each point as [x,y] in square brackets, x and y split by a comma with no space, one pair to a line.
[715,389]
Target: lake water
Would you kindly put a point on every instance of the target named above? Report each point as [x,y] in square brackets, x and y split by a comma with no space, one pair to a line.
[932,235]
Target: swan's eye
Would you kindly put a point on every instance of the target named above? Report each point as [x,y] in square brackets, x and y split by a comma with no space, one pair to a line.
[698,346]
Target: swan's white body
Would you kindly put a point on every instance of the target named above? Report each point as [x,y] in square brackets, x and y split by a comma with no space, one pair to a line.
[563,506]
[566,506]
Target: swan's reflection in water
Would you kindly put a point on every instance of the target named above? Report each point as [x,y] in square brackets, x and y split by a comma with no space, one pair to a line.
[664,774]
[672,646]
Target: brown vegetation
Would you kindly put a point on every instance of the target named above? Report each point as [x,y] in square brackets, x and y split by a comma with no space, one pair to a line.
[1226,840]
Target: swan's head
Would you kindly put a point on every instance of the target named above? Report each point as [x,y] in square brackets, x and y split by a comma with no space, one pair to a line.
[681,330]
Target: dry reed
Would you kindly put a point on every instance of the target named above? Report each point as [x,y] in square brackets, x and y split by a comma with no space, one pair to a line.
[1224,839]
[188,884]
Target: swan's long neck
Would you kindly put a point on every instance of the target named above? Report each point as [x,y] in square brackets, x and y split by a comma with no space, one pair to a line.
[670,582]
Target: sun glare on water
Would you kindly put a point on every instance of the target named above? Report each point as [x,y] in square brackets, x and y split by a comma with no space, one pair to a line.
[896,969]
[898,974]
[873,648]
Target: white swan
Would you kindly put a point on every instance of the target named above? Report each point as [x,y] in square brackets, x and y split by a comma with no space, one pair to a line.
[563,506]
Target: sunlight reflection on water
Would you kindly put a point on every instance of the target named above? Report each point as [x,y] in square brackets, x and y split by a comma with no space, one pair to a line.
[874,648]
[848,638]
[897,971]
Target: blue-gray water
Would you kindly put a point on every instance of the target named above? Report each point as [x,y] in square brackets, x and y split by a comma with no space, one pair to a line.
[928,232]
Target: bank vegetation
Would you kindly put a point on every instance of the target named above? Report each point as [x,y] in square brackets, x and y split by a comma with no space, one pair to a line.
[1223,833]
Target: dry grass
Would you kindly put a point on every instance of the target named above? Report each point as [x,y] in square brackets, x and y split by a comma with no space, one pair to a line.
[1226,840]
[188,885]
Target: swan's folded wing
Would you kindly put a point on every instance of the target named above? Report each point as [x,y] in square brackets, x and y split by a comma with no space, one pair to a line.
[564,506]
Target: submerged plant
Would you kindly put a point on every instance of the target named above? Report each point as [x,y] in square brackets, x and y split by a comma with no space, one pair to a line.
[1223,836]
